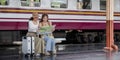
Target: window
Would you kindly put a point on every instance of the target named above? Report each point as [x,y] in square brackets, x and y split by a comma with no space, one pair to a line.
[59,3]
[25,3]
[102,4]
[79,4]
[36,3]
[4,2]
[86,4]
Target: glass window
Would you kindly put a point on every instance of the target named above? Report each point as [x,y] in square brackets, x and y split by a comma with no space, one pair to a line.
[59,3]
[79,4]
[37,3]
[4,2]
[86,4]
[102,4]
[27,3]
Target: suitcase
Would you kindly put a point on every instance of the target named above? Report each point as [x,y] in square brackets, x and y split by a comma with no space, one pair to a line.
[28,44]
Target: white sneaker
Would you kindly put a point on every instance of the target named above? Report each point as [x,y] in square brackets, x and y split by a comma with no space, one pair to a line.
[37,54]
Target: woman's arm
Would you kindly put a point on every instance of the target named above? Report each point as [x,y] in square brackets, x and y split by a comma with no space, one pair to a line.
[50,23]
[39,26]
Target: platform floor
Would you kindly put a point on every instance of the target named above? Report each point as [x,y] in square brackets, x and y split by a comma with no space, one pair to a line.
[66,52]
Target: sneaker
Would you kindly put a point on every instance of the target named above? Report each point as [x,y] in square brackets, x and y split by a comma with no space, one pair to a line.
[47,53]
[54,52]
[37,55]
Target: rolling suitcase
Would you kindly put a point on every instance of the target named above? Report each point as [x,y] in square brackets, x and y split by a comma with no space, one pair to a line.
[28,45]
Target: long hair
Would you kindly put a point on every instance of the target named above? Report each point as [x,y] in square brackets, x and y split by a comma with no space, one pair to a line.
[43,15]
[31,18]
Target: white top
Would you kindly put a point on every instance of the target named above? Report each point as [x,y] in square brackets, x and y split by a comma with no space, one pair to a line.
[32,27]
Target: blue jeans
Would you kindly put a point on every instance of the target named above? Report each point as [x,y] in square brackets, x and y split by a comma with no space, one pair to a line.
[50,43]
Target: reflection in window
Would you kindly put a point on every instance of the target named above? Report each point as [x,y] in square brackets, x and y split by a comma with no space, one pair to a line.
[102,4]
[59,3]
[4,2]
[86,4]
[27,3]
[79,4]
[37,3]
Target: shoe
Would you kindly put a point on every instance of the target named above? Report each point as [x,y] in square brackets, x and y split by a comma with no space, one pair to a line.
[37,55]
[54,53]
[47,53]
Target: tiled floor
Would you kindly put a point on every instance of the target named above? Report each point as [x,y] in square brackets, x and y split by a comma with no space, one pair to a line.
[66,52]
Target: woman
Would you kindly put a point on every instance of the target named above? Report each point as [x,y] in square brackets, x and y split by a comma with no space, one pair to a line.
[33,25]
[32,31]
[50,42]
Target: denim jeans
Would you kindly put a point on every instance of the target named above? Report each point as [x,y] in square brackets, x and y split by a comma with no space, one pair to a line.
[50,43]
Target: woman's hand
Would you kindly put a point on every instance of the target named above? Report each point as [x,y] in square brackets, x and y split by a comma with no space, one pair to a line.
[53,27]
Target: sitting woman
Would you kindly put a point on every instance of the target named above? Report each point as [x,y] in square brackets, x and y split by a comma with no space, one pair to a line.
[32,31]
[45,28]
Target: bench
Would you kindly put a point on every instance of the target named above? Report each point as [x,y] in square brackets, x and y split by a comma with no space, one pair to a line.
[59,40]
